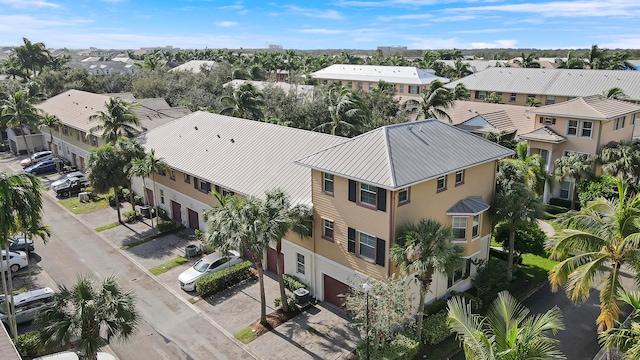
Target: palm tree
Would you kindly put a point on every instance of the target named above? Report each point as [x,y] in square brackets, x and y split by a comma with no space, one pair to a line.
[576,166]
[616,93]
[425,248]
[50,122]
[347,110]
[623,160]
[245,103]
[154,165]
[116,120]
[572,62]
[85,311]
[13,68]
[515,206]
[597,57]
[18,111]
[626,337]
[506,332]
[20,208]
[130,150]
[279,218]
[599,240]
[32,56]
[106,170]
[528,61]
[493,98]
[433,102]
[533,168]
[460,69]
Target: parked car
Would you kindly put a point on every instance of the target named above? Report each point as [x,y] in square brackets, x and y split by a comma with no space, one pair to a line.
[36,158]
[76,174]
[70,187]
[207,265]
[21,244]
[68,355]
[17,260]
[44,167]
[27,304]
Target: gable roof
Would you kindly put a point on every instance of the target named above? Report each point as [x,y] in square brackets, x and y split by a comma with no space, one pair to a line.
[470,205]
[246,156]
[502,117]
[544,134]
[397,156]
[373,73]
[557,82]
[594,107]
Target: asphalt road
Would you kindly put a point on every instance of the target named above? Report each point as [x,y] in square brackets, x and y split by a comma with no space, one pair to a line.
[170,328]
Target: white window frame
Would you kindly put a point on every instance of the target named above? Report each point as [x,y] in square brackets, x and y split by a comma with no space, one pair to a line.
[548,120]
[475,227]
[512,97]
[618,123]
[461,174]
[582,129]
[401,86]
[550,100]
[300,264]
[576,127]
[368,238]
[568,190]
[161,196]
[456,224]
[400,192]
[172,174]
[414,89]
[481,95]
[460,273]
[327,178]
[328,225]
[442,179]
[544,158]
[366,188]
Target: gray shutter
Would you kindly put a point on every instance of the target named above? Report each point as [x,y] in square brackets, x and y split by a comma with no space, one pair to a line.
[218,189]
[352,190]
[208,188]
[381,250]
[382,199]
[351,244]
[195,183]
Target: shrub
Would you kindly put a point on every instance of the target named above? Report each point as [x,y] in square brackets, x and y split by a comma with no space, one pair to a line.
[597,187]
[563,202]
[277,302]
[476,302]
[555,209]
[29,344]
[167,226]
[292,283]
[220,280]
[402,346]
[161,213]
[138,200]
[435,307]
[529,238]
[131,215]
[112,199]
[435,328]
[126,194]
[491,279]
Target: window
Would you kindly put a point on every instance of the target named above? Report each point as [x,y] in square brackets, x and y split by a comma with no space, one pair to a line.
[403,196]
[327,229]
[360,85]
[618,123]
[226,192]
[586,128]
[549,100]
[634,118]
[459,227]
[172,175]
[572,127]
[369,86]
[162,172]
[461,273]
[94,141]
[475,226]
[565,190]
[548,120]
[83,136]
[300,263]
[512,97]
[544,154]
[161,196]
[401,91]
[78,135]
[367,246]
[413,89]
[368,194]
[499,95]
[442,183]
[480,95]
[327,183]
[65,130]
[205,186]
[531,96]
[187,178]
[350,84]
[460,177]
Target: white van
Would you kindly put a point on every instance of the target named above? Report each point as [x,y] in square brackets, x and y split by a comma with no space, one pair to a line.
[27,304]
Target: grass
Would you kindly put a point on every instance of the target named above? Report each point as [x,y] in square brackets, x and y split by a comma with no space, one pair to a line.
[245,335]
[136,243]
[77,207]
[160,269]
[534,272]
[194,299]
[106,227]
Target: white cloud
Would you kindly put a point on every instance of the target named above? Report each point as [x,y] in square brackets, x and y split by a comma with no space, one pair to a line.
[314,13]
[589,8]
[488,31]
[226,23]
[15,23]
[406,17]
[495,44]
[26,4]
[435,43]
[323,31]
[237,6]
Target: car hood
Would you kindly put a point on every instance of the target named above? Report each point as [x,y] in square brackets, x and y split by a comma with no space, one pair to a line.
[189,275]
[57,183]
[25,161]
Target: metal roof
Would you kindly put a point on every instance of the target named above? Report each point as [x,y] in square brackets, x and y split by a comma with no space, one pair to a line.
[503,117]
[595,107]
[557,82]
[470,205]
[245,156]
[304,91]
[544,134]
[374,73]
[195,66]
[396,156]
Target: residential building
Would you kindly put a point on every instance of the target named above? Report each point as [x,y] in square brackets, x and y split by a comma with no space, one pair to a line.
[195,66]
[409,81]
[109,67]
[481,117]
[302,91]
[477,65]
[548,86]
[582,125]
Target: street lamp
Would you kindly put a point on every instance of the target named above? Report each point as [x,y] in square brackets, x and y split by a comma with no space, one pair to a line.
[366,287]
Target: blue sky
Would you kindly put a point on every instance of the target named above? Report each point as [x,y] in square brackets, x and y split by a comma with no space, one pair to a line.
[353,24]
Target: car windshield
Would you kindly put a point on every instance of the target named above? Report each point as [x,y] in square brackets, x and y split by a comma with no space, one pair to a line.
[201,266]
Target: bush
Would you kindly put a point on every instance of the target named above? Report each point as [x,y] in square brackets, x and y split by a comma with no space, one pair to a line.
[138,200]
[476,302]
[126,194]
[277,302]
[563,203]
[161,213]
[292,283]
[218,281]
[112,199]
[166,227]
[29,344]
[599,186]
[402,346]
[435,328]
[529,238]
[131,215]
[435,307]
[555,209]
[491,279]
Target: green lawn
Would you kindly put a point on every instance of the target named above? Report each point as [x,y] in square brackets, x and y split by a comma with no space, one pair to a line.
[77,207]
[160,269]
[106,227]
[534,271]
[245,335]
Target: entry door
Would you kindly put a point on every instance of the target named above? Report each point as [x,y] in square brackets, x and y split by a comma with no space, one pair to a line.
[194,223]
[272,260]
[73,157]
[150,196]
[176,212]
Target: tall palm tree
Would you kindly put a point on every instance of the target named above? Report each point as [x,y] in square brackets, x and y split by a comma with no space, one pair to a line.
[50,122]
[622,160]
[533,168]
[347,110]
[576,166]
[116,120]
[625,337]
[33,56]
[507,332]
[245,103]
[597,57]
[20,208]
[279,218]
[86,310]
[130,150]
[572,62]
[106,170]
[460,69]
[18,110]
[598,240]
[528,61]
[434,102]
[154,165]
[425,248]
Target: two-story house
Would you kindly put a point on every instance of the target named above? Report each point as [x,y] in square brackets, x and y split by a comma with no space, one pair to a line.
[582,125]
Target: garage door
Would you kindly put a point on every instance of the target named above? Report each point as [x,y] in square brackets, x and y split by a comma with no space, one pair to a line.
[194,222]
[176,212]
[333,288]
[272,259]
[150,197]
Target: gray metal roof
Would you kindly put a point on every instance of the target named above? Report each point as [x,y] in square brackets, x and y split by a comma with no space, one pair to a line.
[502,116]
[396,156]
[595,107]
[195,66]
[374,73]
[470,205]
[544,134]
[245,156]
[557,82]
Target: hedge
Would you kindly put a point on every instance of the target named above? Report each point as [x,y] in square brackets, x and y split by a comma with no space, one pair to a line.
[563,202]
[402,346]
[435,328]
[166,226]
[220,280]
[29,344]
[503,255]
[292,283]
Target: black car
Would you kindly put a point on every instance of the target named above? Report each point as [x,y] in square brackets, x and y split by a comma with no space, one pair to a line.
[21,244]
[71,187]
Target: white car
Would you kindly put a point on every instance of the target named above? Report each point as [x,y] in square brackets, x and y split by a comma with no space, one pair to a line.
[76,175]
[36,158]
[17,260]
[207,265]
[28,304]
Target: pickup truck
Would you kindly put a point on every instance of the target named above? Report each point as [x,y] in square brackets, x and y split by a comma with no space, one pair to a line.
[70,187]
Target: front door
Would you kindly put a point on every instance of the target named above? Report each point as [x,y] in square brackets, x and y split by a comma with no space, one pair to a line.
[73,159]
[176,212]
[272,260]
[194,222]
[150,196]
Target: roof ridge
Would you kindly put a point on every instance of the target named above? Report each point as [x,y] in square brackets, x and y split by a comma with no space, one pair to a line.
[389,162]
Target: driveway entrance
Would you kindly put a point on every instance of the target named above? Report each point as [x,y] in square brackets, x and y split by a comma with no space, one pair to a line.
[333,288]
